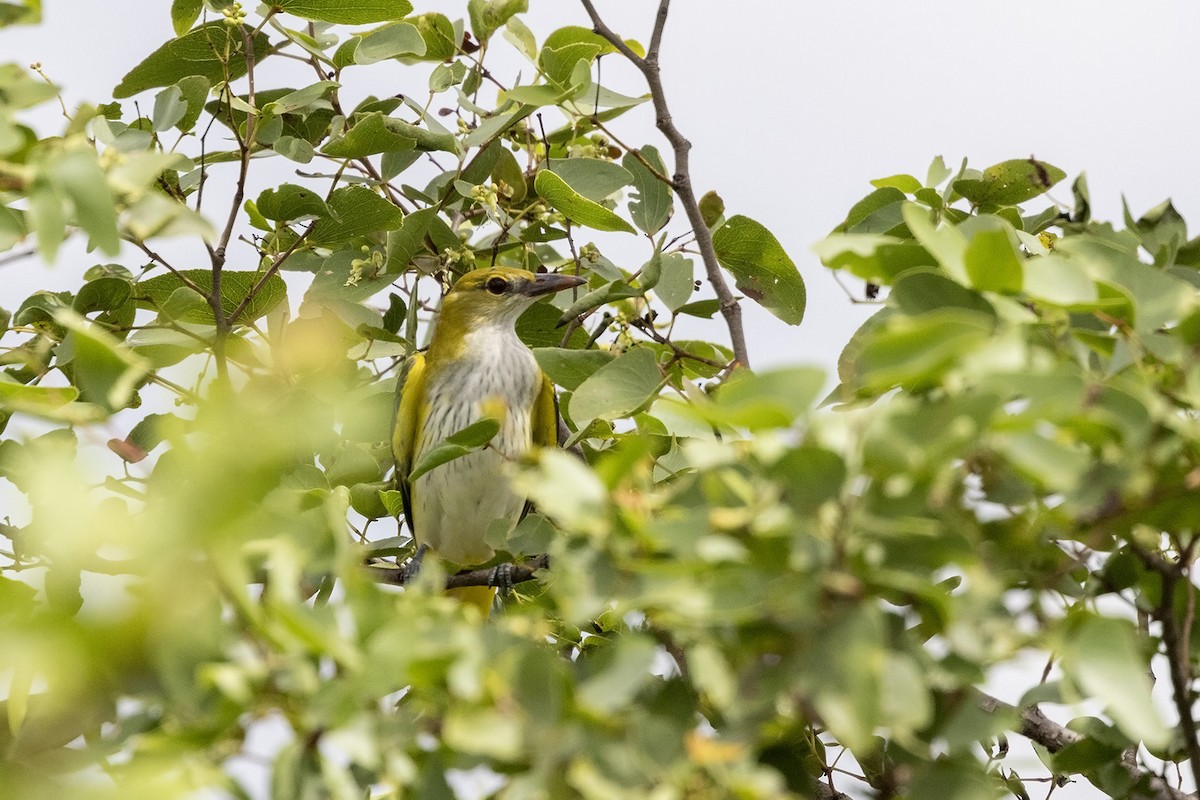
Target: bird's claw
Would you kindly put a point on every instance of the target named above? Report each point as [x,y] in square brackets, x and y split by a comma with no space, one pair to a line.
[502,578]
[412,567]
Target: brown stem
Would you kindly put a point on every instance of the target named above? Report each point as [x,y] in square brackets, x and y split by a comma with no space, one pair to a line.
[731,310]
[1180,670]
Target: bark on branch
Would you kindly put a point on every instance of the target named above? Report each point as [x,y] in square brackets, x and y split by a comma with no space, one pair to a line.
[731,310]
[487,576]
[1039,728]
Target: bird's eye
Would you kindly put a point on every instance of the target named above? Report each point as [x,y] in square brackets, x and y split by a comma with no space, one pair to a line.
[497,285]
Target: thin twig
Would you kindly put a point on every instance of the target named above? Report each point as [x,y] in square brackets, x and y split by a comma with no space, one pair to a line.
[647,327]
[158,259]
[271,271]
[17,256]
[731,310]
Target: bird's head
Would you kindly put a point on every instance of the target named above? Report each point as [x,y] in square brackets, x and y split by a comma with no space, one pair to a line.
[495,296]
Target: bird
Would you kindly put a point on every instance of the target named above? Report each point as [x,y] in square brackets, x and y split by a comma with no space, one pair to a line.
[474,367]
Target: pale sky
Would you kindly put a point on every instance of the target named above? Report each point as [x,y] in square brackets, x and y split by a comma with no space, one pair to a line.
[793,106]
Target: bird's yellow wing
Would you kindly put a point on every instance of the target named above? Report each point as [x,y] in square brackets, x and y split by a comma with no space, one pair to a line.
[544,423]
[410,396]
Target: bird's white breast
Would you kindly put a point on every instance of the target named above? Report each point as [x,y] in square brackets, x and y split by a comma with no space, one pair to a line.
[455,503]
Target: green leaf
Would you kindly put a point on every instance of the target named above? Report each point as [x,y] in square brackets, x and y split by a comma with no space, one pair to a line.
[569,368]
[938,172]
[291,202]
[991,258]
[704,309]
[200,52]
[1104,656]
[577,34]
[426,140]
[169,108]
[368,136]
[103,294]
[761,268]
[150,431]
[677,283]
[618,388]
[905,183]
[872,256]
[1085,755]
[339,280]
[446,75]
[47,218]
[1057,280]
[289,101]
[1162,231]
[357,211]
[712,208]
[184,14]
[592,178]
[574,206]
[771,399]
[105,371]
[518,34]
[878,212]
[389,41]
[487,16]
[920,291]
[32,399]
[539,95]
[651,202]
[359,12]
[78,175]
[912,352]
[506,170]
[1010,183]
[155,294]
[20,12]
[468,440]
[438,32]
[22,90]
[619,673]
[558,63]
[406,241]
[194,91]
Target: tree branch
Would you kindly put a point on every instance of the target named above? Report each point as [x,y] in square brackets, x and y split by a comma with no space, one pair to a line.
[1177,661]
[731,310]
[1039,728]
[823,791]
[521,572]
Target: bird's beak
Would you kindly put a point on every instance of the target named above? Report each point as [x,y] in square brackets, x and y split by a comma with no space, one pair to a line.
[551,282]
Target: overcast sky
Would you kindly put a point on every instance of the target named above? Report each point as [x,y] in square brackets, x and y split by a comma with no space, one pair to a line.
[792,107]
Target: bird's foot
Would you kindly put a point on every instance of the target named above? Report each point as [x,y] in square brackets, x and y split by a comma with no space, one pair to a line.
[502,578]
[412,567]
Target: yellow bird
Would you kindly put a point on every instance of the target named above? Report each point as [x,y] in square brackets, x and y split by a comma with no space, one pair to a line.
[475,367]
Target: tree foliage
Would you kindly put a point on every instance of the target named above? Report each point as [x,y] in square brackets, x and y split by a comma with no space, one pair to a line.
[755,587]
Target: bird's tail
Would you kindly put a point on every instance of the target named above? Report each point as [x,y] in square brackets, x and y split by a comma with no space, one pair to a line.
[481,597]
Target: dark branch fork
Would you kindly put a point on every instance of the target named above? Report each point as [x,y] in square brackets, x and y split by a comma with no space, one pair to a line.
[681,181]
